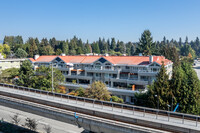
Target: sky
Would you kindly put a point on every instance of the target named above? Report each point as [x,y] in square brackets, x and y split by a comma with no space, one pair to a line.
[90,19]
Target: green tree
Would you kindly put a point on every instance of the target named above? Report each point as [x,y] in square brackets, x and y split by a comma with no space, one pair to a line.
[98,90]
[171,53]
[26,73]
[88,47]
[48,50]
[8,75]
[146,45]
[33,47]
[6,49]
[43,78]
[20,53]
[113,44]
[95,48]
[186,88]
[159,91]
[58,52]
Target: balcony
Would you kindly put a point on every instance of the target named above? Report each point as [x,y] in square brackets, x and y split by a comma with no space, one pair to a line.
[80,76]
[131,81]
[147,72]
[61,67]
[102,69]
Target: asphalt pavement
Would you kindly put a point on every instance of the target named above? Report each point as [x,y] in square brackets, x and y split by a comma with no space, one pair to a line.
[56,126]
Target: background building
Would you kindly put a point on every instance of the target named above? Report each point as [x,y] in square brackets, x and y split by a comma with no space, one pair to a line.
[10,63]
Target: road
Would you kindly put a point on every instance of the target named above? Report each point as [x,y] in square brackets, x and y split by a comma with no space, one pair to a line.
[127,113]
[57,126]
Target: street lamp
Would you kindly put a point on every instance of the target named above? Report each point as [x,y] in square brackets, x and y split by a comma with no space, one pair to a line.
[168,106]
[157,101]
[52,76]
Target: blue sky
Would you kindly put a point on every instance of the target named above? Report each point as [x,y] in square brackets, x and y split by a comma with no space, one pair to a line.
[90,19]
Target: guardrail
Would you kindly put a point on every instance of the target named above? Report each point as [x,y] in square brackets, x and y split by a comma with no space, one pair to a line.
[120,106]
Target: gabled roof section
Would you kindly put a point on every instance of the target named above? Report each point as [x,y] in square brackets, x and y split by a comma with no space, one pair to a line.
[160,59]
[128,60]
[79,59]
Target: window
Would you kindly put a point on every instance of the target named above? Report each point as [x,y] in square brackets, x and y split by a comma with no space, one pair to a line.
[127,67]
[102,60]
[58,59]
[98,64]
[107,64]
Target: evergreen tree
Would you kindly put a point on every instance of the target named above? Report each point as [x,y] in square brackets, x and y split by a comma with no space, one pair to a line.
[159,91]
[180,42]
[113,44]
[95,48]
[88,47]
[25,74]
[37,42]
[186,40]
[33,47]
[53,43]
[146,45]
[185,85]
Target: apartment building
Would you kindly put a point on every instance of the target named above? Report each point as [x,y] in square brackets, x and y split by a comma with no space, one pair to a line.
[10,63]
[123,75]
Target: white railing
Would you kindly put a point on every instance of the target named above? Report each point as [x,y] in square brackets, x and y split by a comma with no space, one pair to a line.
[108,69]
[147,71]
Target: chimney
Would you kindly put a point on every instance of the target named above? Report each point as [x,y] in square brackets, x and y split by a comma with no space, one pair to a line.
[106,54]
[36,57]
[140,54]
[150,58]
[63,54]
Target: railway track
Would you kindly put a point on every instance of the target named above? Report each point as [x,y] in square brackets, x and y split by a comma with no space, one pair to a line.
[108,104]
[81,115]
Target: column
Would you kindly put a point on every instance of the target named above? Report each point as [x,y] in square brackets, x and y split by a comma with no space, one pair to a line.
[128,75]
[69,72]
[111,83]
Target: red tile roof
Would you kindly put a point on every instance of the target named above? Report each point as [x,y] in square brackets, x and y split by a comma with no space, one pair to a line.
[120,60]
[44,58]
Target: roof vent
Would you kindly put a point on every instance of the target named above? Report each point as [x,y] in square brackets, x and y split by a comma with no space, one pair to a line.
[36,56]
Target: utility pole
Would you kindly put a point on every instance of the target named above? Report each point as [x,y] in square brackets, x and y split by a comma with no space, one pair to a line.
[52,78]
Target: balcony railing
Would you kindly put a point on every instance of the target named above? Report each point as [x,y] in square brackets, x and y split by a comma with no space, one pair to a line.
[147,71]
[107,69]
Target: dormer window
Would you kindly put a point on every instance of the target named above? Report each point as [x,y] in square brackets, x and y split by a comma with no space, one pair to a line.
[98,64]
[107,64]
